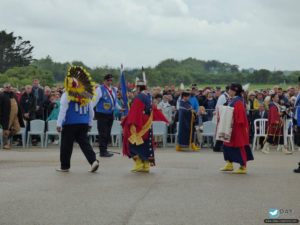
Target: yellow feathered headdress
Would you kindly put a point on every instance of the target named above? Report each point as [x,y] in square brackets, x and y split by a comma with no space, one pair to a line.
[78,85]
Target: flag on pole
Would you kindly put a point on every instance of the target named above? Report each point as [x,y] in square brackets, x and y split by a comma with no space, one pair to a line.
[124,92]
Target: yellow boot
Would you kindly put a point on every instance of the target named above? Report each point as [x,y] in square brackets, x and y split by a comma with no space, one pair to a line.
[241,170]
[138,163]
[146,167]
[194,147]
[178,148]
[228,167]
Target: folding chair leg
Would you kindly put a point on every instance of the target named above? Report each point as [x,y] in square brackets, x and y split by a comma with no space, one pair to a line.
[23,141]
[42,141]
[254,143]
[46,141]
[292,143]
[28,140]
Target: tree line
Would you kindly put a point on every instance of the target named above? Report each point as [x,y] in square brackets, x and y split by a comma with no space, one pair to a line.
[18,67]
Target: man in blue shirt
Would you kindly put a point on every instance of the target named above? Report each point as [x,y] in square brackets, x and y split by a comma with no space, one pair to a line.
[297,117]
[194,101]
[105,103]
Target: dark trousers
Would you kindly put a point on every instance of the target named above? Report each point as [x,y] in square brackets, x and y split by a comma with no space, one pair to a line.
[297,136]
[104,124]
[78,133]
[218,146]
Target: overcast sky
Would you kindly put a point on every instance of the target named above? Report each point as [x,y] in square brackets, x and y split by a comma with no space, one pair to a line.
[249,33]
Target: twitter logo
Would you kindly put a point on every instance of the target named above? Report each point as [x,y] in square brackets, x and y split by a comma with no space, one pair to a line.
[273,213]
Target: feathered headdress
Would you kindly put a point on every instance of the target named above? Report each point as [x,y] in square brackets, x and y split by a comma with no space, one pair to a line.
[141,82]
[78,85]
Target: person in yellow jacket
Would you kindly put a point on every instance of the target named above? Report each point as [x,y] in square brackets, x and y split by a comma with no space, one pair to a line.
[259,100]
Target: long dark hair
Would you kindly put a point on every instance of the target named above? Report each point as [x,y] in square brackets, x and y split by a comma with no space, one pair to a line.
[273,96]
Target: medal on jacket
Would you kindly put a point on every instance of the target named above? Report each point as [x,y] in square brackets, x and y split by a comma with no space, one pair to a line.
[106,106]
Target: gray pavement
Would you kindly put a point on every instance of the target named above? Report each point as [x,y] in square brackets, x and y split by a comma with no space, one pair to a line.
[184,188]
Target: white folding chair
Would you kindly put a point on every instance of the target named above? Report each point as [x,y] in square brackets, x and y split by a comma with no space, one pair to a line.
[37,127]
[93,132]
[209,129]
[1,137]
[260,129]
[22,133]
[51,130]
[160,129]
[116,130]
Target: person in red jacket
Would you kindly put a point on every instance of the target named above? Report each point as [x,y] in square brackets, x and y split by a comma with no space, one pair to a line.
[275,126]
[138,142]
[238,149]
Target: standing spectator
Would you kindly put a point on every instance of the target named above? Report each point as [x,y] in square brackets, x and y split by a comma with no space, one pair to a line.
[10,115]
[166,108]
[173,89]
[218,93]
[223,99]
[172,101]
[210,104]
[201,98]
[39,97]
[117,112]
[28,105]
[46,102]
[166,89]
[282,99]
[20,93]
[194,101]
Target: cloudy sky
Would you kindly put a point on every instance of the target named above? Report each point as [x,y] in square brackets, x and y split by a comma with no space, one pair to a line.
[249,33]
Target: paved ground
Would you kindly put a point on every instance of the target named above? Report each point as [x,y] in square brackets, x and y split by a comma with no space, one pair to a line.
[184,188]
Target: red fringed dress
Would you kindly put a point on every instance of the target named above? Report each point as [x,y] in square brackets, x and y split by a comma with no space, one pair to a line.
[238,149]
[137,129]
[275,126]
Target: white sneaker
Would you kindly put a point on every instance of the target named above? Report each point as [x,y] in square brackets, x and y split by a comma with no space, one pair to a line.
[62,170]
[94,166]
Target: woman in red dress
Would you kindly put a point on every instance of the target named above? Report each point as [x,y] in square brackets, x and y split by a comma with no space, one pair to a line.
[237,150]
[275,126]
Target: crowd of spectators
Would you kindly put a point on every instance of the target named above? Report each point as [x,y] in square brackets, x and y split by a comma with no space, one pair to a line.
[37,102]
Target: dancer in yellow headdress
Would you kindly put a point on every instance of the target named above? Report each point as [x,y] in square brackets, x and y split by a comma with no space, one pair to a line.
[75,117]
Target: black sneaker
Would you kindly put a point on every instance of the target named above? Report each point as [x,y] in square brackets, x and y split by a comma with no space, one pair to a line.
[297,170]
[106,154]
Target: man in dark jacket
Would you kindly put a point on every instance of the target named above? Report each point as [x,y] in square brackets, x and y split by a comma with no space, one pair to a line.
[10,115]
[28,105]
[39,96]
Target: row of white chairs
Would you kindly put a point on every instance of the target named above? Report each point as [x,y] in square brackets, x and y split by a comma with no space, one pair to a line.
[260,130]
[37,128]
[209,129]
